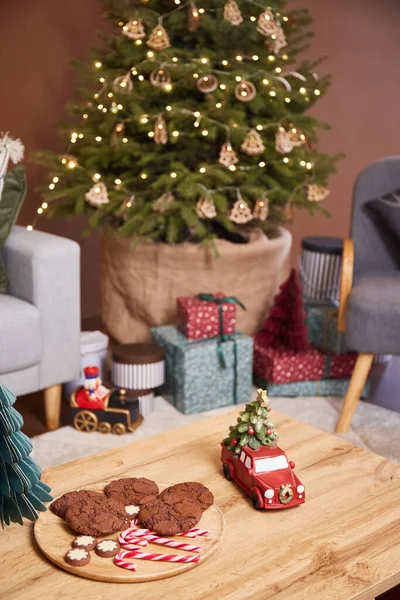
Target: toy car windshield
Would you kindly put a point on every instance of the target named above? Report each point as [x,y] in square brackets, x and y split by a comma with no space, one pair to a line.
[266,465]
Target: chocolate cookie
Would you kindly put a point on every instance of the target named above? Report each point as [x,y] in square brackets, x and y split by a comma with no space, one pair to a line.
[77,557]
[97,516]
[107,548]
[85,542]
[132,490]
[169,519]
[60,506]
[191,490]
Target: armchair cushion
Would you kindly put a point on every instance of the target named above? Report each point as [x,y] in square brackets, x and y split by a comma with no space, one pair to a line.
[11,201]
[373,314]
[385,213]
[20,337]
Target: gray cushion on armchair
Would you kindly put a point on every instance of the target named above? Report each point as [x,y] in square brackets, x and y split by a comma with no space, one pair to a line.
[373,314]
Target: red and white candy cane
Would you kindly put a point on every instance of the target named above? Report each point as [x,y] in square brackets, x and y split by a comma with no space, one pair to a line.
[173,558]
[155,539]
[123,563]
[125,537]
[194,532]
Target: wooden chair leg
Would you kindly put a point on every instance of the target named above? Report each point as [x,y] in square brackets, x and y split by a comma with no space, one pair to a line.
[357,382]
[52,406]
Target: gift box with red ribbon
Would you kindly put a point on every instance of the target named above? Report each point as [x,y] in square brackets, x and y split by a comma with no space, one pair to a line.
[207,315]
[284,366]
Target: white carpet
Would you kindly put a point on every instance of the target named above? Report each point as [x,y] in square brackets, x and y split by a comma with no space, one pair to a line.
[373,427]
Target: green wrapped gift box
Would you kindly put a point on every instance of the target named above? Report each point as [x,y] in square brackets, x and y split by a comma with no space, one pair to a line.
[195,378]
[321,387]
[321,321]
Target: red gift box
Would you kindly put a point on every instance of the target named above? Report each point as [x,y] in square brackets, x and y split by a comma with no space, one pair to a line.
[199,319]
[284,366]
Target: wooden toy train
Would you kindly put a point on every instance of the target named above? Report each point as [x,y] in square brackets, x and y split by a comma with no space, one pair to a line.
[96,408]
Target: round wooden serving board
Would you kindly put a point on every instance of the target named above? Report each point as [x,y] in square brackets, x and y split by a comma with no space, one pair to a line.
[54,539]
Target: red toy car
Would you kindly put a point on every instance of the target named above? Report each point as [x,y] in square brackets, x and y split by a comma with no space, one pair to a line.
[265,475]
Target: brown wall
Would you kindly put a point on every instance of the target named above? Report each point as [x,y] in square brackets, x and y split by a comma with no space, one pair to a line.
[360,37]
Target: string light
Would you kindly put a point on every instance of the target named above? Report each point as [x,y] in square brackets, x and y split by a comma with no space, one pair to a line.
[174,59]
[119,106]
[85,116]
[302,137]
[287,100]
[232,168]
[201,11]
[272,93]
[285,18]
[285,56]
[96,177]
[51,186]
[261,164]
[168,108]
[118,181]
[144,120]
[29,228]
[151,134]
[45,205]
[302,90]
[125,140]
[138,42]
[317,92]
[202,169]
[134,71]
[80,136]
[218,105]
[100,106]
[271,57]
[303,163]
[95,96]
[265,81]
[173,174]
[225,63]
[285,159]
[143,175]
[253,18]
[177,1]
[278,70]
[204,132]
[141,78]
[255,57]
[150,54]
[195,75]
[102,80]
[175,133]
[222,86]
[55,180]
[71,164]
[98,138]
[204,61]
[259,127]
[238,78]
[309,165]
[239,58]
[196,114]
[39,210]
[98,64]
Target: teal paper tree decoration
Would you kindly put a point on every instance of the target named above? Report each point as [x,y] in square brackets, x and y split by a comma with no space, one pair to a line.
[21,492]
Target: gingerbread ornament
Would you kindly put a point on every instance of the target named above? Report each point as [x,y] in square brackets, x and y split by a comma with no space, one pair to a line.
[159,39]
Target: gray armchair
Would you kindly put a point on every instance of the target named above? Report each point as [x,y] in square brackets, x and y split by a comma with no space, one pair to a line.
[40,317]
[369,309]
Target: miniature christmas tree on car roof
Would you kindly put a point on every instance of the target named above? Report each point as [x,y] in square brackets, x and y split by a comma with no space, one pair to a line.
[285,326]
[21,492]
[254,427]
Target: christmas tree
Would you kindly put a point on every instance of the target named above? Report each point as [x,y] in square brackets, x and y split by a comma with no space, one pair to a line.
[254,427]
[285,326]
[194,104]
[21,492]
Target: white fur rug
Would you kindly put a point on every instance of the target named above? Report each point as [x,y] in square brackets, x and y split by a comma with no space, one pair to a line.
[373,427]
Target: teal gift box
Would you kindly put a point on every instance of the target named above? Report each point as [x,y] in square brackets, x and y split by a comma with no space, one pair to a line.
[321,387]
[322,321]
[196,377]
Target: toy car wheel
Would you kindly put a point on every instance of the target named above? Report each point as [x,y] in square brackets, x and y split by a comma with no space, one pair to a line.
[118,428]
[85,420]
[255,500]
[227,472]
[104,427]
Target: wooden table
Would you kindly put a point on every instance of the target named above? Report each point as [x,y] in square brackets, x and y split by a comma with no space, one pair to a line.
[342,544]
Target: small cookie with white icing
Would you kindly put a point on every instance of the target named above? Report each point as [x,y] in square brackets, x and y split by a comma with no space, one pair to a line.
[77,557]
[107,548]
[86,542]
